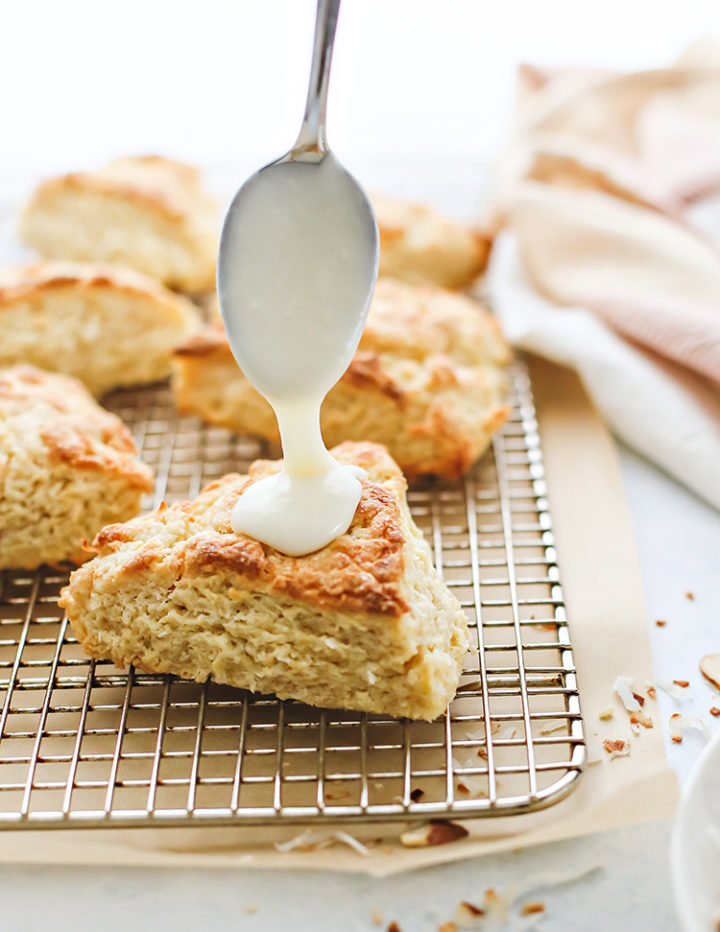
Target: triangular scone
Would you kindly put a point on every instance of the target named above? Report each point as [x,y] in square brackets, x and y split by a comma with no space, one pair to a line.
[419,246]
[103,324]
[67,468]
[148,213]
[365,623]
[427,381]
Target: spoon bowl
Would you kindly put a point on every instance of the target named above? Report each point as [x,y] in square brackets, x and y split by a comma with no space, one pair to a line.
[302,222]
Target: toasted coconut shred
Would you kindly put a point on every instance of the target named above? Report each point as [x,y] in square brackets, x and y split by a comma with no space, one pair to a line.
[315,840]
[439,832]
[641,718]
[710,669]
[468,912]
[623,688]
[473,784]
[680,723]
[616,747]
[552,727]
[533,906]
[673,689]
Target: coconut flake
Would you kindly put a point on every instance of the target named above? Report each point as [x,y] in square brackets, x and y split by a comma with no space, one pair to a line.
[470,731]
[710,669]
[672,689]
[680,723]
[316,840]
[469,916]
[641,718]
[473,786]
[346,839]
[306,841]
[532,906]
[616,747]
[553,727]
[623,687]
[496,905]
[439,832]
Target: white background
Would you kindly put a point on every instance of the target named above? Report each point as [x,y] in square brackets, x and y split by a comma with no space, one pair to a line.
[85,80]
[420,100]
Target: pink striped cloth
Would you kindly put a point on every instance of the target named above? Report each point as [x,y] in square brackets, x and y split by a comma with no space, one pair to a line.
[596,183]
[598,191]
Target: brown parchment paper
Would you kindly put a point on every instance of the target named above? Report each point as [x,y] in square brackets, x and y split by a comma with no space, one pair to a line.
[603,594]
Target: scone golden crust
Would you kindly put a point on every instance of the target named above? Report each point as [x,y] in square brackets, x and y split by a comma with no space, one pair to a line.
[419,246]
[67,468]
[365,623]
[427,382]
[106,325]
[148,213]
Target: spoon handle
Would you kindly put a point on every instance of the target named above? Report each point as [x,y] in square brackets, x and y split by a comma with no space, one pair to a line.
[312,132]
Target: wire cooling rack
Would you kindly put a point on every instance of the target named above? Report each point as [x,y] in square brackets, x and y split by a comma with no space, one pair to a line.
[84,744]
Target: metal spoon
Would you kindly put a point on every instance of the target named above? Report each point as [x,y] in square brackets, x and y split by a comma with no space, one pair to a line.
[310,171]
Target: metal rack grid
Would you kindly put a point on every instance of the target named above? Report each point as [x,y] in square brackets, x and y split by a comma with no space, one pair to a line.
[85,744]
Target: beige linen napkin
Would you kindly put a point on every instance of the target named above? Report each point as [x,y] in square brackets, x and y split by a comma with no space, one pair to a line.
[600,266]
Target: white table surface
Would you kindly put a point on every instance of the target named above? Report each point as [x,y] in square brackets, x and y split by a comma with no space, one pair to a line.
[679,546]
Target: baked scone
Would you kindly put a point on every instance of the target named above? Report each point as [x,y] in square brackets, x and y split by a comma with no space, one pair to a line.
[419,246]
[427,382]
[148,213]
[365,623]
[106,325]
[67,468]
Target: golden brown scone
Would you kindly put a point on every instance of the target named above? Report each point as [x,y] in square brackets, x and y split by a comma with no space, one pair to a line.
[419,246]
[427,382]
[67,468]
[365,623]
[148,213]
[106,325]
